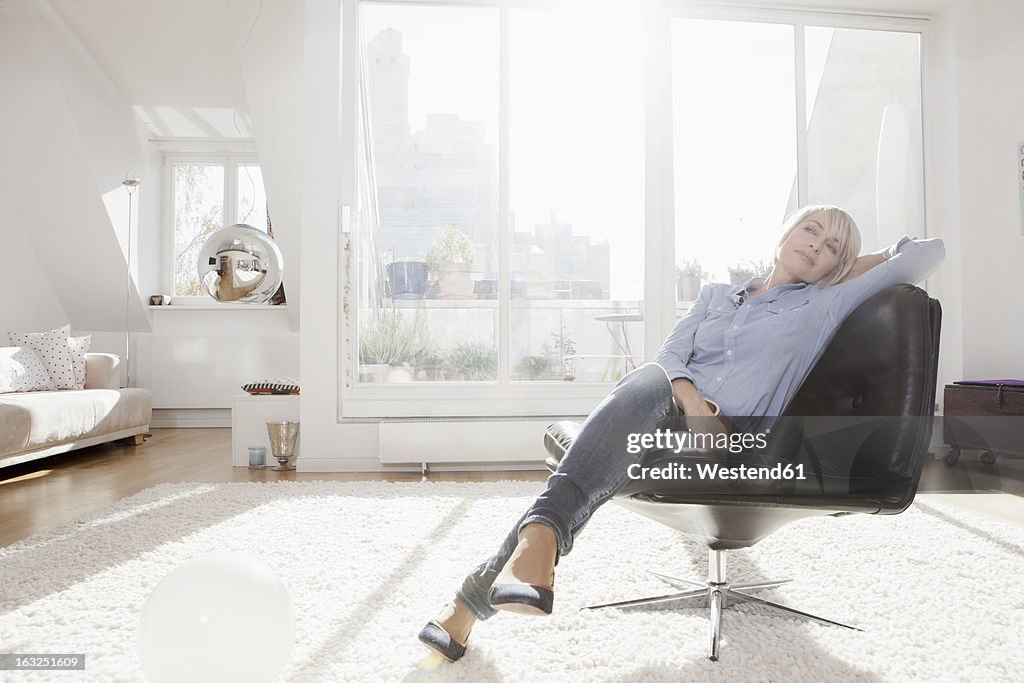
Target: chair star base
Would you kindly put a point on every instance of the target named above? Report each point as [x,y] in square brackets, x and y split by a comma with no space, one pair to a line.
[718,594]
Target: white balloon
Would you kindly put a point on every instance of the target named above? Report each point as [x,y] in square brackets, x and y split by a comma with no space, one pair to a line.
[220,617]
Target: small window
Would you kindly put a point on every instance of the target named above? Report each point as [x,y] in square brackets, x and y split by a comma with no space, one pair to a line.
[200,191]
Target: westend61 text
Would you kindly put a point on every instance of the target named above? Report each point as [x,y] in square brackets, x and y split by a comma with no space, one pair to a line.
[708,471]
[666,439]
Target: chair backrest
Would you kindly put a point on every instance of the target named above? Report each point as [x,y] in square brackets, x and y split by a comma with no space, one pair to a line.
[870,399]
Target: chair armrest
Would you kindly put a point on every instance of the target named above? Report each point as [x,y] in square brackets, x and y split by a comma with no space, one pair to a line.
[102,371]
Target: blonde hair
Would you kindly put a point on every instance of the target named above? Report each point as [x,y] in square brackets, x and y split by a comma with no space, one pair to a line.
[838,222]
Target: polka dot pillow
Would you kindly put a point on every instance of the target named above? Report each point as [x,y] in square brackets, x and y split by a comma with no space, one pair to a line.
[53,349]
[79,346]
[21,370]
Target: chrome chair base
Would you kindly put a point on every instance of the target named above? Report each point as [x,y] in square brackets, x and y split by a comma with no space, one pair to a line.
[718,594]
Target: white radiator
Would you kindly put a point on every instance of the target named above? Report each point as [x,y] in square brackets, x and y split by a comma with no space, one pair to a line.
[461,440]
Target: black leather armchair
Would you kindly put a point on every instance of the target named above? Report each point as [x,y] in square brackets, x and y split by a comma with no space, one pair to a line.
[859,427]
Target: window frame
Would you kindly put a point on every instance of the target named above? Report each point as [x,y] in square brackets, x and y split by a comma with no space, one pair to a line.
[372,402]
[230,161]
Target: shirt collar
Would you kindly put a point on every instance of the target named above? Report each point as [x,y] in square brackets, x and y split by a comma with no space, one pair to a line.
[739,294]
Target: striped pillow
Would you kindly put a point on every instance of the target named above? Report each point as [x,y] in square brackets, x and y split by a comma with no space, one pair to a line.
[275,385]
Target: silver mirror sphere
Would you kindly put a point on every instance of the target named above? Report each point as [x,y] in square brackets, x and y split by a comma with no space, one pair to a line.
[240,264]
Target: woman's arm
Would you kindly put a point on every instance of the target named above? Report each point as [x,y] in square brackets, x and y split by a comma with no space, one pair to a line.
[677,348]
[676,351]
[908,261]
[690,400]
[865,263]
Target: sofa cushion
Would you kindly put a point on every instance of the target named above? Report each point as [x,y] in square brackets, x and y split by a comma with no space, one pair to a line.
[79,346]
[37,419]
[102,371]
[53,349]
[22,370]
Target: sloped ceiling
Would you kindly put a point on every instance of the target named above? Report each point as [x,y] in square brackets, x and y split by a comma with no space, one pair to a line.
[179,54]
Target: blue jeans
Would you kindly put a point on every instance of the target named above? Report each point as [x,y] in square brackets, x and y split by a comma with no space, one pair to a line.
[592,471]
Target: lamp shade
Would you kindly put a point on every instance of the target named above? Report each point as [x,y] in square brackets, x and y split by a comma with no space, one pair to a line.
[240,264]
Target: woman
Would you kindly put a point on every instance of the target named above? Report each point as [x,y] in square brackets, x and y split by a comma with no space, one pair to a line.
[743,350]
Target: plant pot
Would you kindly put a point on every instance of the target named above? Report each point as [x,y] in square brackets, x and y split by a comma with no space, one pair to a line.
[399,373]
[688,287]
[408,279]
[455,281]
[486,289]
[429,373]
[374,372]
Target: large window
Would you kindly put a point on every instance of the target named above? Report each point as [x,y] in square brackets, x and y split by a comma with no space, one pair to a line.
[744,159]
[206,194]
[516,161]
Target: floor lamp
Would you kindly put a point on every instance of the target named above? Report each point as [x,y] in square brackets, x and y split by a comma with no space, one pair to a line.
[130,183]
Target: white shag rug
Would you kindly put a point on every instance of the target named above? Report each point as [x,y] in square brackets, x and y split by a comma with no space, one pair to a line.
[936,590]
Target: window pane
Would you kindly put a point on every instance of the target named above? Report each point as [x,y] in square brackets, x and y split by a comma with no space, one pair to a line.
[429,191]
[252,198]
[198,213]
[734,134]
[864,129]
[576,192]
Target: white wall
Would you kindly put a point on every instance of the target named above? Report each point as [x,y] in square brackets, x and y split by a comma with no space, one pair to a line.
[941,191]
[65,145]
[199,358]
[326,444]
[29,303]
[989,44]
[270,46]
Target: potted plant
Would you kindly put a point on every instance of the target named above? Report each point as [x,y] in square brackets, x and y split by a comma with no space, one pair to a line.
[407,278]
[557,360]
[471,361]
[543,366]
[564,348]
[450,261]
[387,345]
[744,270]
[689,277]
[428,364]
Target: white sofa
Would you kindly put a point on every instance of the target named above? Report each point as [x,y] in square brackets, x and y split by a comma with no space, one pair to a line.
[37,424]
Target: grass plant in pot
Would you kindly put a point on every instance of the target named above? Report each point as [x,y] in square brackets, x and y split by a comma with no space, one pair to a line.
[450,261]
[471,361]
[388,345]
[540,367]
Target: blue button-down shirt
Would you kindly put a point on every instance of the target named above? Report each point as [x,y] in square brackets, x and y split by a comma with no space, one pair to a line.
[750,355]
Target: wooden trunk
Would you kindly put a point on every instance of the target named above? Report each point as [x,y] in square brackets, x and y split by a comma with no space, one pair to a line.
[988,418]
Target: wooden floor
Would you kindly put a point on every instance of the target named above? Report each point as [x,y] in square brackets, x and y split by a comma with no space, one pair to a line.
[42,494]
